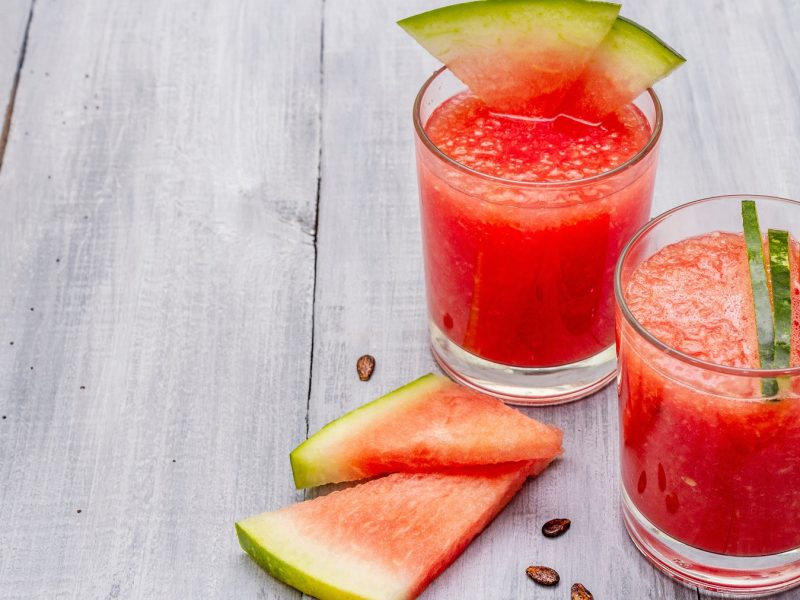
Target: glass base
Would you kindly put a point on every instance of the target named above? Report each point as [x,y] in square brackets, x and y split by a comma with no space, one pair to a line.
[745,576]
[520,385]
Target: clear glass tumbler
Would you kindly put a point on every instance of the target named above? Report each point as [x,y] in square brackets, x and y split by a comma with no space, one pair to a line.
[519,275]
[710,467]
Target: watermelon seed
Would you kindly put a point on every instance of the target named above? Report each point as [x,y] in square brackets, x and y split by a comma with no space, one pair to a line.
[543,575]
[365,365]
[556,527]
[579,592]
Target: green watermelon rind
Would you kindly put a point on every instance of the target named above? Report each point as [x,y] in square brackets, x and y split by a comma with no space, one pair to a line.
[628,61]
[305,459]
[441,21]
[656,57]
[267,547]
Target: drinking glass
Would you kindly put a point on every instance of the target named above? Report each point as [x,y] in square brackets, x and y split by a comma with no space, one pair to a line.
[519,275]
[710,468]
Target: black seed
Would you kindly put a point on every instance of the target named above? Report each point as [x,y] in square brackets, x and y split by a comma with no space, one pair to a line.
[543,575]
[556,527]
[83,387]
[79,511]
[173,460]
[579,592]
[4,417]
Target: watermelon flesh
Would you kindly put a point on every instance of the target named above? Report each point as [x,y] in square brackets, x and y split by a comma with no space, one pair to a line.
[630,60]
[385,539]
[518,56]
[430,424]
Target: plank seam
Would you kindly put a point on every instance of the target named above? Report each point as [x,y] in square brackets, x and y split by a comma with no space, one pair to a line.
[13,95]
[316,211]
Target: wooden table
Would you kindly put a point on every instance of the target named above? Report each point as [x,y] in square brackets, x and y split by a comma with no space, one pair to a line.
[208,210]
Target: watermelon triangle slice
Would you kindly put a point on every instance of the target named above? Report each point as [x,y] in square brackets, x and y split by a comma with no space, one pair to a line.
[630,60]
[518,56]
[385,539]
[426,425]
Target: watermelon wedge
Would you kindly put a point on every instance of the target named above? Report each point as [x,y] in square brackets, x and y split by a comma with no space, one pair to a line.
[518,56]
[426,425]
[386,539]
[630,60]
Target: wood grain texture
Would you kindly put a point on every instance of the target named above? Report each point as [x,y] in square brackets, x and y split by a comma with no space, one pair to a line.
[12,33]
[732,124]
[369,292]
[13,24]
[158,211]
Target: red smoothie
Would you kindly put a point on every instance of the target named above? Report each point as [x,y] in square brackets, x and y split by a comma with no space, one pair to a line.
[703,457]
[521,273]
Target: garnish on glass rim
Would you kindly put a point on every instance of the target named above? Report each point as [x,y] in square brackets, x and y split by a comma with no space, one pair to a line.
[780,277]
[545,58]
[773,311]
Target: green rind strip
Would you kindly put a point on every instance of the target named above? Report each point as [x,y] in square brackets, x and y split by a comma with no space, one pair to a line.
[286,571]
[305,458]
[761,298]
[654,53]
[781,296]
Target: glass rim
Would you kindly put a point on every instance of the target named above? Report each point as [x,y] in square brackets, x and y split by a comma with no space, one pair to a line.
[652,339]
[652,141]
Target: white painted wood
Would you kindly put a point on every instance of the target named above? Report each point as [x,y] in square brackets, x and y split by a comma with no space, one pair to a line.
[176,186]
[158,209]
[13,21]
[12,32]
[732,125]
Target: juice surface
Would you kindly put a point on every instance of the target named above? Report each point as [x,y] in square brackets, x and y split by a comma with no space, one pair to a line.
[695,296]
[523,276]
[524,149]
[703,456]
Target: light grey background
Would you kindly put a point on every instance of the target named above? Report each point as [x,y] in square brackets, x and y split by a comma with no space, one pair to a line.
[208,211]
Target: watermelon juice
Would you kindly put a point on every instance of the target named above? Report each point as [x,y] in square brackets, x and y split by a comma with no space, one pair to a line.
[522,223]
[710,468]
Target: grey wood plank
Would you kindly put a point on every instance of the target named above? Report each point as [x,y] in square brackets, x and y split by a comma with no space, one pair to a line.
[731,121]
[158,215]
[12,33]
[730,127]
[13,24]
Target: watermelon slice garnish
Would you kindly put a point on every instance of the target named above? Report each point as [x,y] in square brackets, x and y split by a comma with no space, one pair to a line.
[429,424]
[385,539]
[630,60]
[518,56]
